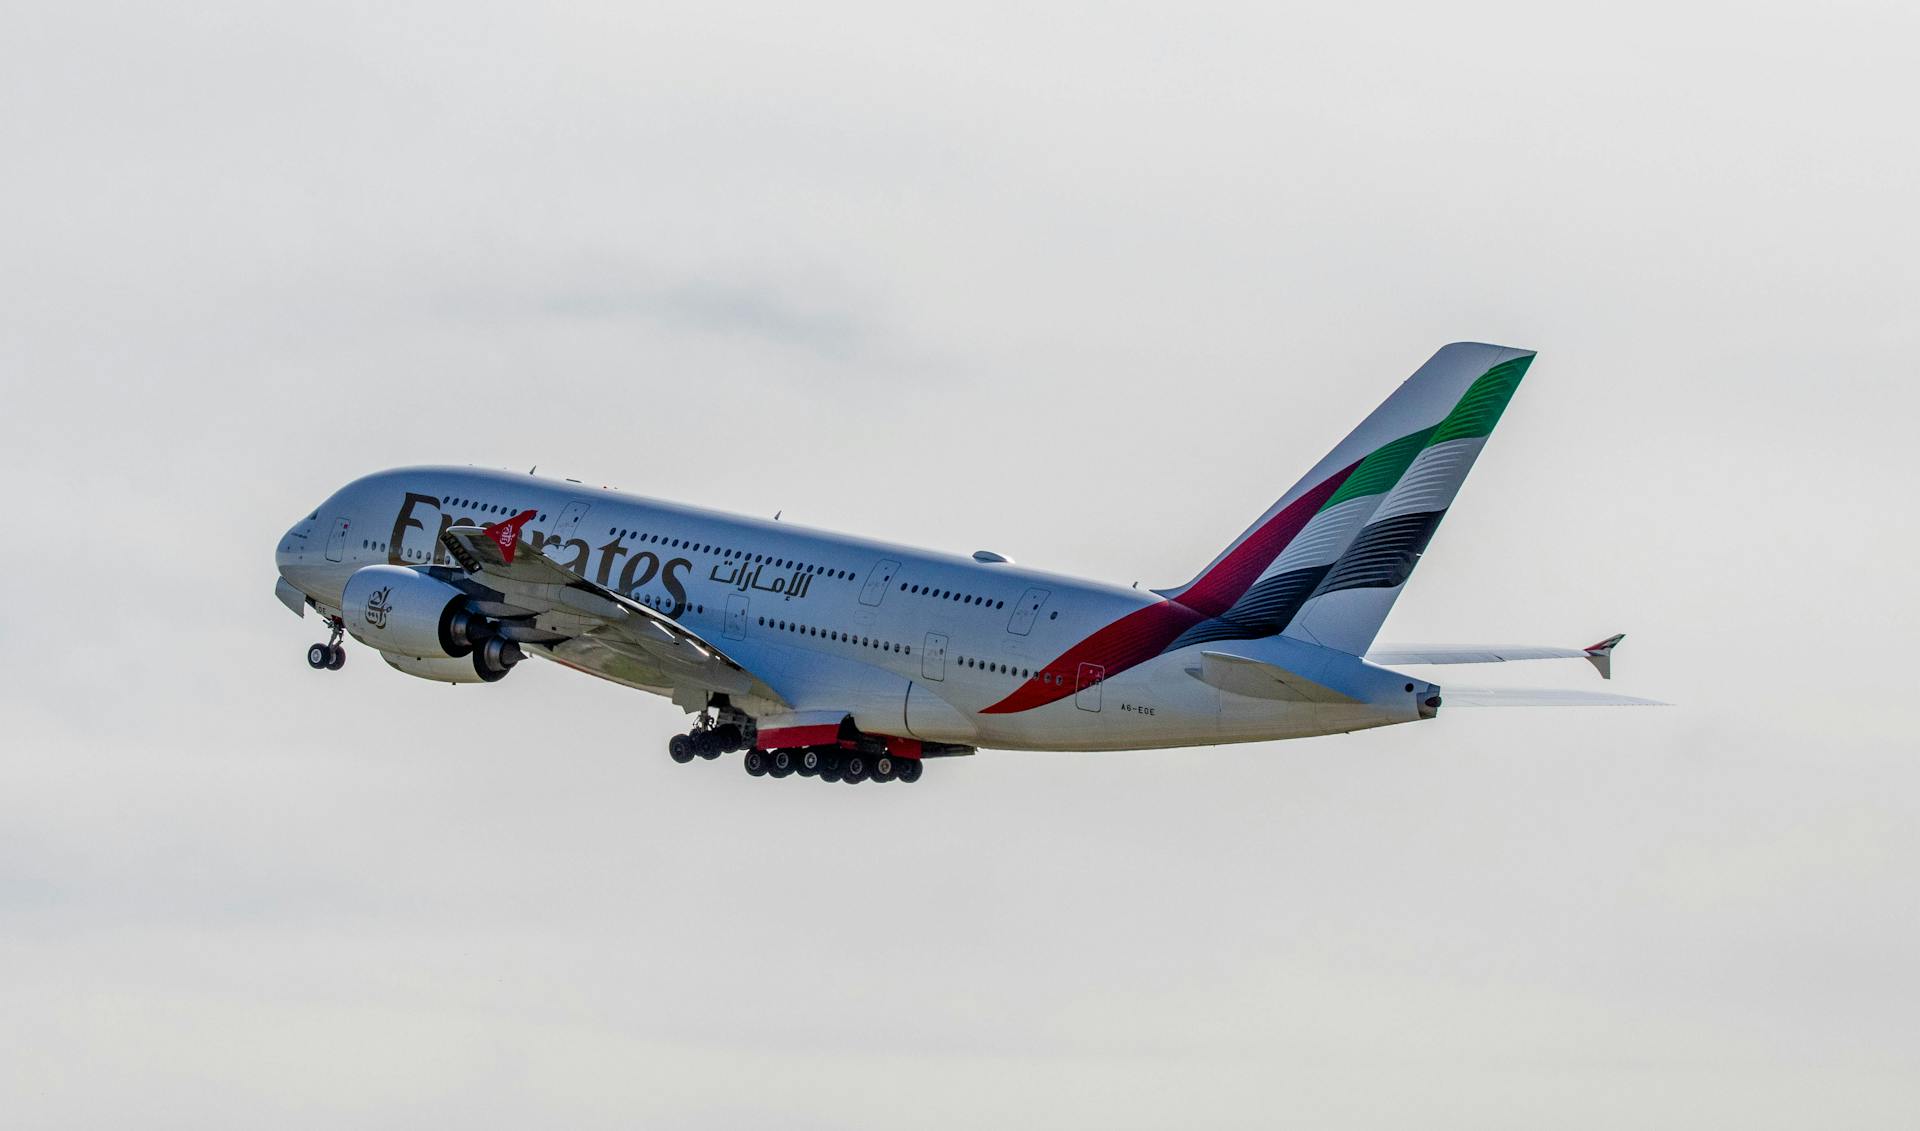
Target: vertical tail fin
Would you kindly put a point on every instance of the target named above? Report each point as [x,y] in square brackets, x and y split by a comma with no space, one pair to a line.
[1326,562]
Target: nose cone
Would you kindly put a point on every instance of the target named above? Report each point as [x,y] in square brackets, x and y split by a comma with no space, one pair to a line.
[286,560]
[291,550]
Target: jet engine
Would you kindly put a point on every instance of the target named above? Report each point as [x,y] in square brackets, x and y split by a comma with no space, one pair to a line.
[490,661]
[407,613]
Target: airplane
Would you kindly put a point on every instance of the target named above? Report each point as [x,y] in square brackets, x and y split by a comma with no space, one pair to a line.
[848,659]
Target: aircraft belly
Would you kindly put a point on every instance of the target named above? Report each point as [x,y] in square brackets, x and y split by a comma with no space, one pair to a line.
[811,680]
[1140,709]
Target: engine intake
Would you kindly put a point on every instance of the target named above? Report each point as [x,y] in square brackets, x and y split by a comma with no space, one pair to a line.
[407,613]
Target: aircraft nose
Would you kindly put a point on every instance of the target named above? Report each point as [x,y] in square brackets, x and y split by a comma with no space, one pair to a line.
[283,552]
[293,548]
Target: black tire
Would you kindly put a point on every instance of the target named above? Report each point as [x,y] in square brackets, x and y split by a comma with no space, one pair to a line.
[781,762]
[756,762]
[318,655]
[829,775]
[885,768]
[680,748]
[706,745]
[854,769]
[337,658]
[730,738]
[811,762]
[909,770]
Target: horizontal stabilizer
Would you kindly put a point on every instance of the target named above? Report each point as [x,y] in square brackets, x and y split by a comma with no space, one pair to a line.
[1259,680]
[1538,697]
[1599,655]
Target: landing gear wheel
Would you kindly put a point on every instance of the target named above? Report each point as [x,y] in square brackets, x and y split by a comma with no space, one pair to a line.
[884,768]
[854,770]
[811,763]
[756,762]
[680,748]
[729,737]
[329,655]
[706,745]
[780,763]
[909,770]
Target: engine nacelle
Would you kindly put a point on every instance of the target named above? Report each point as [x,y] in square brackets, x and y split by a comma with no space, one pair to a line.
[487,663]
[407,613]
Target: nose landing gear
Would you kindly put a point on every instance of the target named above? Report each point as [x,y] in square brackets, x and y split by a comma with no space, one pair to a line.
[330,656]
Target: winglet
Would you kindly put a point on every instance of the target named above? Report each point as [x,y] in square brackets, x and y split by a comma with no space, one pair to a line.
[506,534]
[1601,655]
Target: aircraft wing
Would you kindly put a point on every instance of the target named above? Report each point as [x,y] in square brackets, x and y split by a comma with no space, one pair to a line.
[577,622]
[1391,655]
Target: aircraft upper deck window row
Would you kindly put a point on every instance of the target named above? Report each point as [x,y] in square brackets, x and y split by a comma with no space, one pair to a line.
[950,595]
[837,636]
[728,552]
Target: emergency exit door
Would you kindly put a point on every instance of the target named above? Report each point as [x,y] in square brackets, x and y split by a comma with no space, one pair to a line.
[933,656]
[1086,695]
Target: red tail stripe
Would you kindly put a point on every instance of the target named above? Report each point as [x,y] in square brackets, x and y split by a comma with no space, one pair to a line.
[1145,633]
[1215,591]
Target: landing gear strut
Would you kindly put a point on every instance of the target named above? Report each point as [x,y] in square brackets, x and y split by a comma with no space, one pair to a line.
[706,740]
[329,656]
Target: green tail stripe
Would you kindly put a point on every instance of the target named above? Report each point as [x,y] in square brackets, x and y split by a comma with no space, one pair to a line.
[1479,410]
[1476,413]
[1381,470]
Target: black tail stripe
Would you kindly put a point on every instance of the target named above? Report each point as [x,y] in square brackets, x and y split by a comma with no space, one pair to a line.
[1384,554]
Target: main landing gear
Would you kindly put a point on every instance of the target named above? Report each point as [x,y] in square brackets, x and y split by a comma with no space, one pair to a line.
[855,758]
[831,763]
[330,656]
[706,740]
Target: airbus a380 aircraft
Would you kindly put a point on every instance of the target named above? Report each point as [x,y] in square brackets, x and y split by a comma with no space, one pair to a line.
[854,660]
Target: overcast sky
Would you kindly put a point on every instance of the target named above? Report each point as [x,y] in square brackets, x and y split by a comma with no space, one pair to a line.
[1087,285]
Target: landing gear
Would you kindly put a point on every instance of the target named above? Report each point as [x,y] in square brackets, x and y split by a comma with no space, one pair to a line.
[329,656]
[831,763]
[852,760]
[708,740]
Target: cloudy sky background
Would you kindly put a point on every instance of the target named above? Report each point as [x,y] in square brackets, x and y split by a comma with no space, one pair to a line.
[1086,284]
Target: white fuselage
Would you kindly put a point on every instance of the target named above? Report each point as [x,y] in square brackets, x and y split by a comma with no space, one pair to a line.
[910,642]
